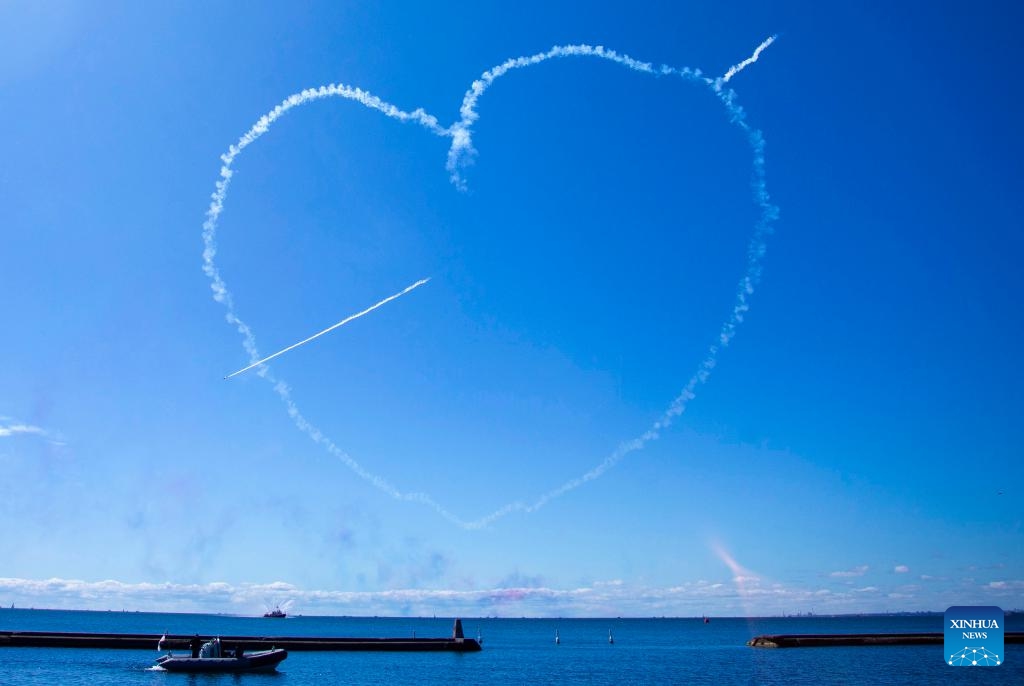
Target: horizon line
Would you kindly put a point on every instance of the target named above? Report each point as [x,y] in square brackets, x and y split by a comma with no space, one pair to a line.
[798,615]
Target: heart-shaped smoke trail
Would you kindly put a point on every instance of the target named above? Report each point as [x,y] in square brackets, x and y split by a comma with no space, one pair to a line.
[459,153]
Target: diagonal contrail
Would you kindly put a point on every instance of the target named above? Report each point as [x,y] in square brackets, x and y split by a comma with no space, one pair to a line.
[343,322]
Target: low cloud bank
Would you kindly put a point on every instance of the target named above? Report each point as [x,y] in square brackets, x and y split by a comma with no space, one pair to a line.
[600,598]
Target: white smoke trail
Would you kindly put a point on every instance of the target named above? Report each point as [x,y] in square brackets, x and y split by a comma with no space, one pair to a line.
[262,125]
[462,145]
[220,290]
[458,155]
[737,68]
[378,482]
[222,295]
[343,322]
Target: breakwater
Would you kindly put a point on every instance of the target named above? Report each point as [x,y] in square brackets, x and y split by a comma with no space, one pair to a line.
[63,639]
[829,640]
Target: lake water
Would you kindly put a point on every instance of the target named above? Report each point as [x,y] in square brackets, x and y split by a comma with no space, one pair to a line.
[516,651]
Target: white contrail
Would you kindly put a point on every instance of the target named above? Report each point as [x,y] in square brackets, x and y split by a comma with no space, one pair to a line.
[737,68]
[343,322]
[462,148]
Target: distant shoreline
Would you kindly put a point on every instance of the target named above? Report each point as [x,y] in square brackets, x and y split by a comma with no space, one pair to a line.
[843,615]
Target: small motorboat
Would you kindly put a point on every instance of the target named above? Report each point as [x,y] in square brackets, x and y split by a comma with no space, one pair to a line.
[210,658]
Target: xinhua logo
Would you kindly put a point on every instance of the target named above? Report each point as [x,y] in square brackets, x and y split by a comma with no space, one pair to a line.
[974,636]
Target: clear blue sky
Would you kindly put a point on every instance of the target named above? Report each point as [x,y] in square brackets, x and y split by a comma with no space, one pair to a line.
[857,447]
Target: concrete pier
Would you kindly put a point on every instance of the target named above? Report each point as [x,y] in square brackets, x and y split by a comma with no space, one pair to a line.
[829,640]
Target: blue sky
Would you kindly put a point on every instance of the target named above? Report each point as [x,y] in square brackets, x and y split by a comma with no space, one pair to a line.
[854,449]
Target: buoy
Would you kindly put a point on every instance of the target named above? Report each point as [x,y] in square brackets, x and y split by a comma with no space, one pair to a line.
[557,639]
[610,639]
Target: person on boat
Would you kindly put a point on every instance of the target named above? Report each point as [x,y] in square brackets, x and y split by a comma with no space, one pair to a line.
[211,648]
[194,644]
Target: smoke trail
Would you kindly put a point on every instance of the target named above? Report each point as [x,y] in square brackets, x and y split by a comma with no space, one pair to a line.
[459,153]
[462,146]
[344,321]
[378,482]
[737,68]
[747,582]
[220,290]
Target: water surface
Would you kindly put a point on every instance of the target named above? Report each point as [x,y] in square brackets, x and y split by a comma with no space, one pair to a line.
[516,651]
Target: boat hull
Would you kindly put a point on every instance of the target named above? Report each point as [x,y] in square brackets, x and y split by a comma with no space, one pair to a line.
[265,661]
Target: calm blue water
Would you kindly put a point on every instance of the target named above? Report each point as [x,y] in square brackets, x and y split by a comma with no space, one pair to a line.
[516,651]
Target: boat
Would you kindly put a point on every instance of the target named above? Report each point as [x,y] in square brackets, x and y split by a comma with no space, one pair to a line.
[264,661]
[277,613]
[210,658]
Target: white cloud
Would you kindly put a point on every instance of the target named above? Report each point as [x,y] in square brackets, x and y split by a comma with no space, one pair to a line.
[860,570]
[746,578]
[604,599]
[607,598]
[13,429]
[901,569]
